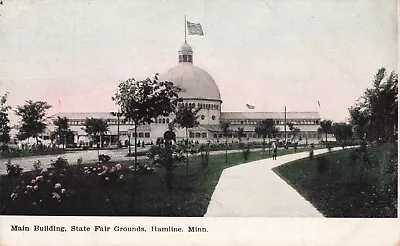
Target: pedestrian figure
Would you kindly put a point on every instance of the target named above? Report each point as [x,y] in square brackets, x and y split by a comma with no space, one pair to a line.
[275,150]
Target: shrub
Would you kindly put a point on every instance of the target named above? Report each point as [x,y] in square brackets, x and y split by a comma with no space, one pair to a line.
[13,169]
[107,174]
[59,163]
[41,193]
[37,166]
[104,158]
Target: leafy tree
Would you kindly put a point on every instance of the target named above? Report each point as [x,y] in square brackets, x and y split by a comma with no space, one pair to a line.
[240,134]
[4,122]
[343,132]
[294,130]
[225,132]
[266,128]
[186,117]
[143,101]
[95,127]
[325,126]
[33,116]
[61,130]
[375,114]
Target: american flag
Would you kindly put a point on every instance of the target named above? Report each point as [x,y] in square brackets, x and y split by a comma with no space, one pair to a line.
[194,28]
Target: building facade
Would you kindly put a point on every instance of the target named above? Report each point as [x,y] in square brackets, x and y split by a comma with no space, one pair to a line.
[198,89]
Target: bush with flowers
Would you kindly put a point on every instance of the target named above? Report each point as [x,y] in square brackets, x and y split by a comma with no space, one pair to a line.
[39,193]
[108,174]
[13,169]
[59,163]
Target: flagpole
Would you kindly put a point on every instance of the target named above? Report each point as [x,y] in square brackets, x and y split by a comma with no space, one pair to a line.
[185,29]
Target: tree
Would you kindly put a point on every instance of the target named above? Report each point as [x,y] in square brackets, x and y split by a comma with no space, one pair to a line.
[240,134]
[342,131]
[225,132]
[325,126]
[4,122]
[33,116]
[118,115]
[294,130]
[266,128]
[143,101]
[96,127]
[375,114]
[186,117]
[62,129]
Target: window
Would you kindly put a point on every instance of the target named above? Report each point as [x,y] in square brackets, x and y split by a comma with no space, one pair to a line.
[198,105]
[215,135]
[140,134]
[163,120]
[167,120]
[213,117]
[191,135]
[204,134]
[147,134]
[197,134]
[203,117]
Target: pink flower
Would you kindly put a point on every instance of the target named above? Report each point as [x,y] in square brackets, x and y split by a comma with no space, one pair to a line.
[62,191]
[29,187]
[35,187]
[39,178]
[57,186]
[33,181]
[56,195]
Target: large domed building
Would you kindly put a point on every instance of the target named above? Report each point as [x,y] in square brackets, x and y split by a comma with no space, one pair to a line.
[200,90]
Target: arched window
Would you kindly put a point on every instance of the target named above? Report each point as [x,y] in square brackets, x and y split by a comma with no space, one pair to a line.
[167,120]
[213,117]
[203,117]
[163,120]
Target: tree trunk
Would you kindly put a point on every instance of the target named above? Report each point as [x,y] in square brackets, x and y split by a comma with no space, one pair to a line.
[326,139]
[135,146]
[226,149]
[187,153]
[264,144]
[118,145]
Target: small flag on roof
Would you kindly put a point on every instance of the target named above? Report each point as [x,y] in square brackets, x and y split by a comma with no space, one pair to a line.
[250,106]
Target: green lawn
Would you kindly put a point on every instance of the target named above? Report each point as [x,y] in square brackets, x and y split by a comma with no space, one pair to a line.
[87,194]
[350,183]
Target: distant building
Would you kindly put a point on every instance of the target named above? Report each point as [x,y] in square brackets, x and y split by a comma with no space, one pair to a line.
[200,90]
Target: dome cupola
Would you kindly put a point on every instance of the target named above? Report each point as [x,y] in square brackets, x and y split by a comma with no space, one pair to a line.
[186,53]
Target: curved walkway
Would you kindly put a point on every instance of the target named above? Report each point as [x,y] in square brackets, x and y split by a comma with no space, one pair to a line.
[254,190]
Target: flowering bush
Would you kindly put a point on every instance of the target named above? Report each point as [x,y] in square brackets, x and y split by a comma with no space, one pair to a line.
[108,174]
[104,158]
[13,169]
[37,165]
[43,192]
[59,163]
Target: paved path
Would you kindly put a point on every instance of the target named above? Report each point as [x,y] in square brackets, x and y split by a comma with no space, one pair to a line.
[254,190]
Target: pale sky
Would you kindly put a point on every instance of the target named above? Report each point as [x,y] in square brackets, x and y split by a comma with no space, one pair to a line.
[265,53]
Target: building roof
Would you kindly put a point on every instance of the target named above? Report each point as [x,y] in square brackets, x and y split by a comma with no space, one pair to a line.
[268,115]
[84,115]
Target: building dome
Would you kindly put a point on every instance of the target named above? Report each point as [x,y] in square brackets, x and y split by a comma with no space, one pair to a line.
[195,83]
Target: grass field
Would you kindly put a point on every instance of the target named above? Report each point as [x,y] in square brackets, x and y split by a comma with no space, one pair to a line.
[350,183]
[87,194]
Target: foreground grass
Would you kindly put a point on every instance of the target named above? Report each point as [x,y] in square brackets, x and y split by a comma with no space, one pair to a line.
[147,195]
[349,183]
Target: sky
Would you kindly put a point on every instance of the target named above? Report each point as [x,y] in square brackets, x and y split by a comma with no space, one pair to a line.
[271,54]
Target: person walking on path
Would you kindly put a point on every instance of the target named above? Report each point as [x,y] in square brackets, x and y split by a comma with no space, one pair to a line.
[275,150]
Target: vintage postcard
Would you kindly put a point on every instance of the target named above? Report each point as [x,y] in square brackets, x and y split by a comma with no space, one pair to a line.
[168,122]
